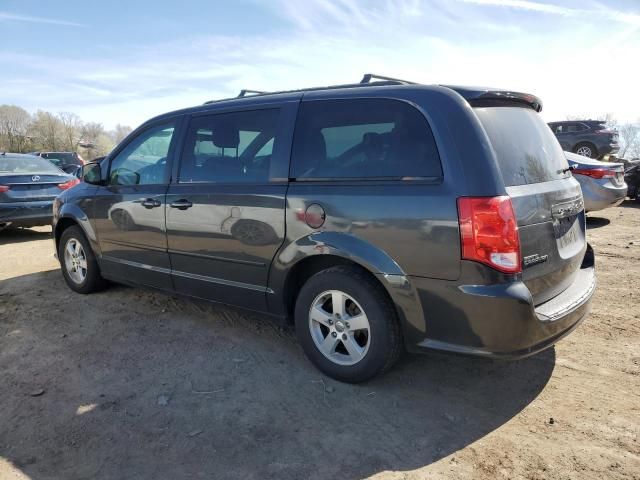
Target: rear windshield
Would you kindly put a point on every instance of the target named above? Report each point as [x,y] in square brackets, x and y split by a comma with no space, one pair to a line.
[525,146]
[62,158]
[27,165]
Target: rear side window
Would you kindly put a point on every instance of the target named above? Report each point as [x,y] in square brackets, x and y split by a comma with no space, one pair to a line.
[229,147]
[576,127]
[526,149]
[363,138]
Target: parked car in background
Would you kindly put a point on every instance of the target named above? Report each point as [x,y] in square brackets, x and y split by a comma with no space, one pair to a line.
[602,183]
[68,162]
[589,138]
[28,185]
[406,224]
[632,178]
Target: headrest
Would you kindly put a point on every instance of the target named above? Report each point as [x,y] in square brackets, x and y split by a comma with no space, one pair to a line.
[225,135]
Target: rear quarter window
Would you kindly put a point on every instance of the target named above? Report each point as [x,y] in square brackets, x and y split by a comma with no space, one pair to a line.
[363,139]
[525,147]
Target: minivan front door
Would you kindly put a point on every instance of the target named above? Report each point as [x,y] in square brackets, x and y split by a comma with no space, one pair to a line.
[129,210]
[226,209]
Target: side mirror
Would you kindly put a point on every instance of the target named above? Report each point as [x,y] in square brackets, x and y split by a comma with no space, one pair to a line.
[92,173]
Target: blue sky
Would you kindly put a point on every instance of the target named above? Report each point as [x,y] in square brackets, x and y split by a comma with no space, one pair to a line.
[125,61]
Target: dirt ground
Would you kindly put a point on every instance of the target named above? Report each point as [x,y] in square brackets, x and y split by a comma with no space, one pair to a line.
[129,383]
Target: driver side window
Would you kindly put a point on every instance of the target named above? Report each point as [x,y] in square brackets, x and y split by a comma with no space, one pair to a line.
[144,160]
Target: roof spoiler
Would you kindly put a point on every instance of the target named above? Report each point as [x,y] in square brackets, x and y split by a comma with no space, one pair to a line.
[494,98]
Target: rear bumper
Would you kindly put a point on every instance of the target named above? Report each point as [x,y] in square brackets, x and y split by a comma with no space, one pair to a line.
[601,194]
[609,148]
[27,214]
[500,321]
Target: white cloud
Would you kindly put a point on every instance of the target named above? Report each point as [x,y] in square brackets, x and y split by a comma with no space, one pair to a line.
[12,17]
[606,13]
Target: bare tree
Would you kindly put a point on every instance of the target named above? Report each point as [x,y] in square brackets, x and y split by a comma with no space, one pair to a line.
[91,131]
[608,118]
[120,132]
[71,126]
[14,124]
[92,134]
[629,137]
[46,130]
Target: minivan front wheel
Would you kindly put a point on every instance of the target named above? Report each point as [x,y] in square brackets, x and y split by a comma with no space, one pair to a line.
[79,266]
[347,325]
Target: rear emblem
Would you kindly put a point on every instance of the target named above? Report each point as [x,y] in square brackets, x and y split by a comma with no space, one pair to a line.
[35,178]
[534,259]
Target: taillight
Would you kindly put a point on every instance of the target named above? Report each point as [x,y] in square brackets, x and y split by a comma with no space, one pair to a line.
[594,172]
[67,185]
[489,232]
[4,188]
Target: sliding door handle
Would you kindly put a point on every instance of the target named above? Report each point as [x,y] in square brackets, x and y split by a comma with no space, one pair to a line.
[181,204]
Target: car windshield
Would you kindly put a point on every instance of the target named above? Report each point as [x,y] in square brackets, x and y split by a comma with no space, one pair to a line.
[27,165]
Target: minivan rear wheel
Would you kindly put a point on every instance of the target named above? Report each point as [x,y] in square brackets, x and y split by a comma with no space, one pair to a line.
[79,266]
[347,324]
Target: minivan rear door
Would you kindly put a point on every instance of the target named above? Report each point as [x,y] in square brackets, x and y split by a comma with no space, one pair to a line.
[547,200]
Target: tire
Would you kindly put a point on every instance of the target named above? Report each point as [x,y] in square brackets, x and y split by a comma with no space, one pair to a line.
[371,351]
[587,149]
[86,277]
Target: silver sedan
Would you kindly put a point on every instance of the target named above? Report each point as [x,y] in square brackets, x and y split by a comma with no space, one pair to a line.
[602,183]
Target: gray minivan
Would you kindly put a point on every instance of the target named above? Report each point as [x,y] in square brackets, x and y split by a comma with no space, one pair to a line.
[378,217]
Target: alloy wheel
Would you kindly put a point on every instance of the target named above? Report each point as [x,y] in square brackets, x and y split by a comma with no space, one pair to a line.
[75,261]
[585,151]
[339,327]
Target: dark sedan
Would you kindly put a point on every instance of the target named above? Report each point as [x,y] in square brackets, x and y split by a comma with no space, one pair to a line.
[28,186]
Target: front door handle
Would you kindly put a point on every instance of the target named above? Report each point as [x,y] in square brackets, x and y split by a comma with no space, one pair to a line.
[181,204]
[149,202]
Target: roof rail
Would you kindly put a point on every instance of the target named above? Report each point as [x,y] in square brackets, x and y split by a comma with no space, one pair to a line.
[245,91]
[372,76]
[369,79]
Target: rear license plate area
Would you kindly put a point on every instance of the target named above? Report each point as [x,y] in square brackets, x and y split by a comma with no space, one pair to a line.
[568,232]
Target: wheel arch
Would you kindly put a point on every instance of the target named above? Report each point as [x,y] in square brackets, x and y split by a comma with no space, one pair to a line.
[300,260]
[71,215]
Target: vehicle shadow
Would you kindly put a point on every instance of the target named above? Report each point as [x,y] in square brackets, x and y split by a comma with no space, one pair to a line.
[129,383]
[597,222]
[20,235]
[628,203]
